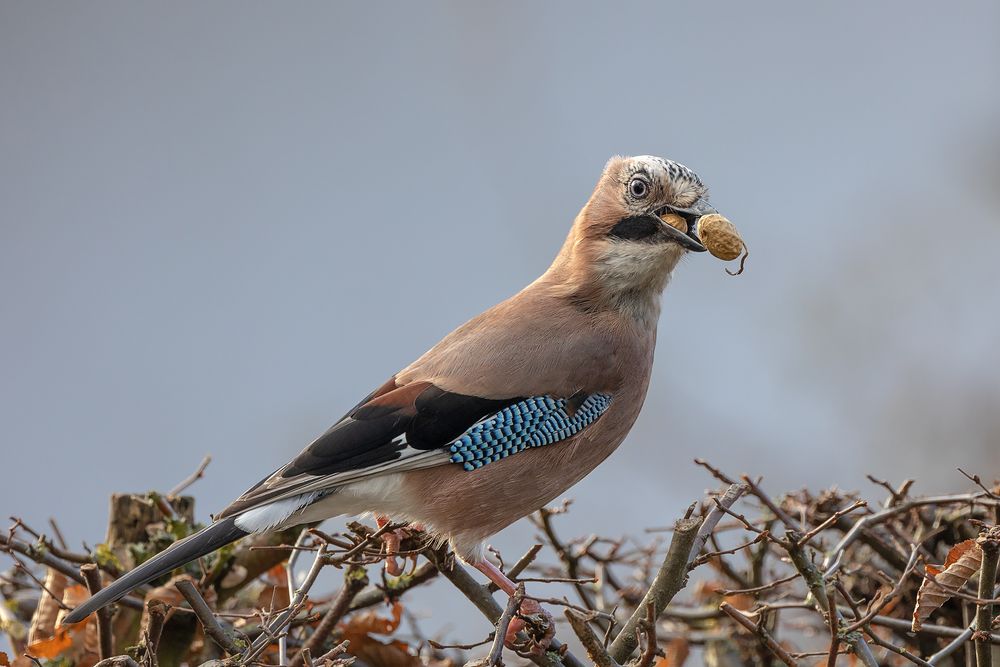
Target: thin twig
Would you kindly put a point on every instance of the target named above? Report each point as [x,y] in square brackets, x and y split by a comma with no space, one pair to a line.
[889,597]
[376,595]
[952,646]
[57,532]
[355,579]
[722,503]
[43,557]
[276,625]
[333,653]
[495,656]
[943,631]
[647,630]
[833,559]
[760,631]
[757,589]
[831,618]
[213,628]
[830,521]
[293,558]
[977,480]
[190,479]
[522,563]
[898,650]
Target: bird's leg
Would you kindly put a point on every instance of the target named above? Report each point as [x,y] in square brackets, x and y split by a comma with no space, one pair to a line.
[529,608]
[391,541]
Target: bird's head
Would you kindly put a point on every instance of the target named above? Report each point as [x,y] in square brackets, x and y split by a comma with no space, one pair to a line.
[621,251]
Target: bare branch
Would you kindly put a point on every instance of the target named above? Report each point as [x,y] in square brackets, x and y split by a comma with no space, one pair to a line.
[106,640]
[190,479]
[722,503]
[355,579]
[591,643]
[760,631]
[987,581]
[495,657]
[278,624]
[669,579]
[213,628]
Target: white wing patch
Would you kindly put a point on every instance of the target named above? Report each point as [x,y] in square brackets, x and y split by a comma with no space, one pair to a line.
[272,515]
[304,490]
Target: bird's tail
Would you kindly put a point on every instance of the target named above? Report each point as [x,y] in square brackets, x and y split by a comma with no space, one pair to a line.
[194,546]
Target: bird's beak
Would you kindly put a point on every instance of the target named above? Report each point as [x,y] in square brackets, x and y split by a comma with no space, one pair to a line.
[690,240]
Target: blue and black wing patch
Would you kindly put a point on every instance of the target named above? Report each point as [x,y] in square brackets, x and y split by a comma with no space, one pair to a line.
[532,422]
[420,425]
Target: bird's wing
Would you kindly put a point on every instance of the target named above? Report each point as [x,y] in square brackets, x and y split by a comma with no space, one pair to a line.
[419,425]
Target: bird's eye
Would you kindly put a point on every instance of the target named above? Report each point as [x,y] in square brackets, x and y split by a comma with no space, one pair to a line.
[638,187]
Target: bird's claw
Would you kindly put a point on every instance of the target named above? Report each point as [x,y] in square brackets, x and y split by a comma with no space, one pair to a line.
[537,622]
[391,540]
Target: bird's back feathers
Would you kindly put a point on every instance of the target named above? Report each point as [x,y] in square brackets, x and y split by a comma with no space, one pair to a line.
[398,428]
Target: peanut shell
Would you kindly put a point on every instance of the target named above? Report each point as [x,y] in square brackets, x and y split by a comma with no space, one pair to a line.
[719,236]
[675,221]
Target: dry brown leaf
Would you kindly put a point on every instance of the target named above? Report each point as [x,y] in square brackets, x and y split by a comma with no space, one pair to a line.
[676,653]
[4,660]
[43,621]
[52,647]
[361,624]
[74,596]
[372,651]
[60,639]
[277,575]
[85,645]
[964,560]
[274,594]
[375,653]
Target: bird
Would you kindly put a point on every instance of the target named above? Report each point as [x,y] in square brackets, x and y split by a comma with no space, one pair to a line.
[506,412]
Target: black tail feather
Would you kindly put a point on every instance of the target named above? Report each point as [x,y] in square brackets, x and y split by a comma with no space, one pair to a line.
[205,541]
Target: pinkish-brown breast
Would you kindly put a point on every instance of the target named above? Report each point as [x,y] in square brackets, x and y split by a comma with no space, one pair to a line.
[469,506]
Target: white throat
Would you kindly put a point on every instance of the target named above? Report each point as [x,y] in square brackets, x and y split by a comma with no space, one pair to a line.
[634,275]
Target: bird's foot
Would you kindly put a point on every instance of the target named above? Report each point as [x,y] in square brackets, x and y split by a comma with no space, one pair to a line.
[538,623]
[530,617]
[391,540]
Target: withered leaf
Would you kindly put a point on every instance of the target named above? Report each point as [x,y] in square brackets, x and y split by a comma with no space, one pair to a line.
[53,646]
[43,622]
[377,654]
[963,561]
[361,624]
[675,655]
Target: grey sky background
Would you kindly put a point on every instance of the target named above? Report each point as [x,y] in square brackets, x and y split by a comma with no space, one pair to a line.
[222,224]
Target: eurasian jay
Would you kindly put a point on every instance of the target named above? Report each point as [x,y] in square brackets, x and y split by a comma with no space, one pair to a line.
[506,412]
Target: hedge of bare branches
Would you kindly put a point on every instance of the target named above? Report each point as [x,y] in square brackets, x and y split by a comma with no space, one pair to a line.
[742,578]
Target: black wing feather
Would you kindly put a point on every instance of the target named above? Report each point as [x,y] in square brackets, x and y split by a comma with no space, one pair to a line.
[418,416]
